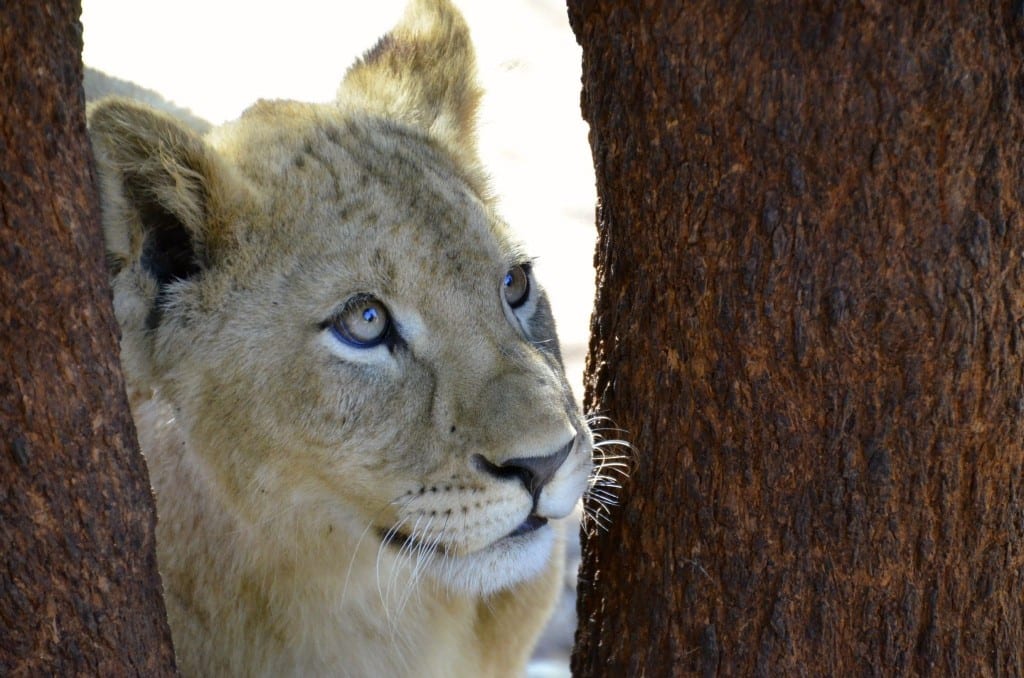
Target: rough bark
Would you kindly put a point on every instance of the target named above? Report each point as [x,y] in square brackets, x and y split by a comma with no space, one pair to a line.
[79,589]
[809,320]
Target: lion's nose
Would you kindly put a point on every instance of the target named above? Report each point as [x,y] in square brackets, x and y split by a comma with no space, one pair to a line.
[533,472]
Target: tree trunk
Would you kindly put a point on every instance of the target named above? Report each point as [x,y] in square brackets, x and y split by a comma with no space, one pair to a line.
[79,589]
[809,319]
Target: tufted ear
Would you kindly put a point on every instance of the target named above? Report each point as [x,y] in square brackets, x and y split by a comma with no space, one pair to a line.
[422,73]
[168,203]
[162,190]
[155,184]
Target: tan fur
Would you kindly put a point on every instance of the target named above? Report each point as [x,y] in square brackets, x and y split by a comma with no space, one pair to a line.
[283,455]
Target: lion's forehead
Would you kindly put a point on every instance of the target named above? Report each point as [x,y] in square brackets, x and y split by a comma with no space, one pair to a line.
[364,205]
[356,171]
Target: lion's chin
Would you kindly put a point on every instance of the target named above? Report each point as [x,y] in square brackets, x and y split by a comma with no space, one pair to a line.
[509,561]
[520,556]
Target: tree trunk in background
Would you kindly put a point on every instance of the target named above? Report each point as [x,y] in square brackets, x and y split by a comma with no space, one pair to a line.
[79,589]
[809,319]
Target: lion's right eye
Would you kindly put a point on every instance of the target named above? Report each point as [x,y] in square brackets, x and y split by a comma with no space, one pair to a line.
[364,322]
[516,286]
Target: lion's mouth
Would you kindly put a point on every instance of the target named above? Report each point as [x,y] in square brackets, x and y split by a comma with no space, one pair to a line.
[532,522]
[403,541]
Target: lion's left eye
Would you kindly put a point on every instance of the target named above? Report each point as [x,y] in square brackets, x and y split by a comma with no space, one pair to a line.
[363,322]
[516,286]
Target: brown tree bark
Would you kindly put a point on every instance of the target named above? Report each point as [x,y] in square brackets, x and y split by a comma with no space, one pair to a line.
[79,589]
[809,319]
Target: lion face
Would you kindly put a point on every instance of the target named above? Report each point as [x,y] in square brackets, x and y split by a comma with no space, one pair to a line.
[349,337]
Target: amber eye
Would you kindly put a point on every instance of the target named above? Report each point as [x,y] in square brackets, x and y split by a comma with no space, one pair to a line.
[516,286]
[364,322]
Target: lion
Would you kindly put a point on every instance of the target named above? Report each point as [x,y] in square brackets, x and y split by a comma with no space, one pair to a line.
[344,375]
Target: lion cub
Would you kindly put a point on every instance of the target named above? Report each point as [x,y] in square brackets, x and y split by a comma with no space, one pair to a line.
[345,377]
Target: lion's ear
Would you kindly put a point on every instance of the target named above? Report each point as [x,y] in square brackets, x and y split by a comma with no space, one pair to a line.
[162,190]
[168,203]
[155,188]
[422,73]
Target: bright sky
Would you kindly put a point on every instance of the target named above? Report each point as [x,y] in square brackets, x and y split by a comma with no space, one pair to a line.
[218,57]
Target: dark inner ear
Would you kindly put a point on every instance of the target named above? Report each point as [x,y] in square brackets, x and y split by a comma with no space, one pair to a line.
[168,253]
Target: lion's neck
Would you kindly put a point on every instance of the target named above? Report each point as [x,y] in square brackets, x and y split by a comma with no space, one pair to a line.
[342,605]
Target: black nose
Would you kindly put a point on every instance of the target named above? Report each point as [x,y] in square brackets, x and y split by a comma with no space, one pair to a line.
[533,472]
